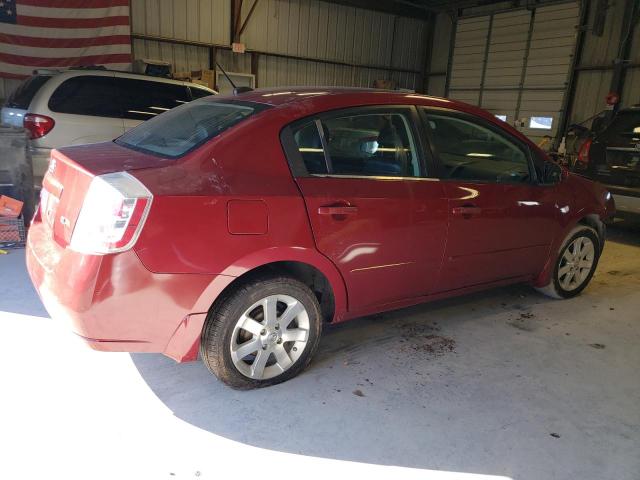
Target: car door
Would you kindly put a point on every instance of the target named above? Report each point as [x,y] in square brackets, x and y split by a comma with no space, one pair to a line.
[501,223]
[144,99]
[357,169]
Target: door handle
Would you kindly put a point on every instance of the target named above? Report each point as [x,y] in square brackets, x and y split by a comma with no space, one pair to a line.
[466,211]
[337,210]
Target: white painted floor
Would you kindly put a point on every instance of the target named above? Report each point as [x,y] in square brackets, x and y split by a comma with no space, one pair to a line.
[503,384]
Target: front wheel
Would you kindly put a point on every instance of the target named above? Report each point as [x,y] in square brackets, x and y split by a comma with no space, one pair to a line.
[262,333]
[575,265]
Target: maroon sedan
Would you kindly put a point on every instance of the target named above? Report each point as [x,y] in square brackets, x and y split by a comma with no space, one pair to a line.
[236,226]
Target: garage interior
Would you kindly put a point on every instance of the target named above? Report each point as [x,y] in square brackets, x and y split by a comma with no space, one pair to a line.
[505,384]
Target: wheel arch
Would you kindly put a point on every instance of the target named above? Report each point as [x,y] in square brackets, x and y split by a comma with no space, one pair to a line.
[592,220]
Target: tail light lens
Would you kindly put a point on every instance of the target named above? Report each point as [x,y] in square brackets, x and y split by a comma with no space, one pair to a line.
[37,125]
[112,215]
[583,153]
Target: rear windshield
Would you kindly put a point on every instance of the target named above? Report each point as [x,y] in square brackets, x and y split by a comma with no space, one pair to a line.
[625,128]
[178,131]
[22,96]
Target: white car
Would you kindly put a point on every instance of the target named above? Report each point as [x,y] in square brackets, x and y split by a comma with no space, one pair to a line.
[74,107]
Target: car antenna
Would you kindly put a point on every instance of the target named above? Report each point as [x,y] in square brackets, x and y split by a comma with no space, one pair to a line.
[236,90]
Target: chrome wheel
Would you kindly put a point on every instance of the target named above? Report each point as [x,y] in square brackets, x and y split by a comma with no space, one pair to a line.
[576,263]
[269,337]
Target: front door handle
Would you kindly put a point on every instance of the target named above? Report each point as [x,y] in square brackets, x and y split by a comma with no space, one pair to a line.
[337,210]
[466,211]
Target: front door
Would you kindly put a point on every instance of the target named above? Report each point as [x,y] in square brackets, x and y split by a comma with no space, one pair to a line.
[501,223]
[360,170]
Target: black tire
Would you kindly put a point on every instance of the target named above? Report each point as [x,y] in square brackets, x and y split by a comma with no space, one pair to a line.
[217,336]
[554,288]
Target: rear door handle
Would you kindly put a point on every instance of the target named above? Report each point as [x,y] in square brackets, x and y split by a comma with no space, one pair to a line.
[466,211]
[337,210]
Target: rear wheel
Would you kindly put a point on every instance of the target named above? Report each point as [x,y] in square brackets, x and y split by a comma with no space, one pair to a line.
[576,263]
[263,333]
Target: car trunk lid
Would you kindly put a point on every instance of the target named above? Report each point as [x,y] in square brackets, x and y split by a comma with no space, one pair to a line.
[70,172]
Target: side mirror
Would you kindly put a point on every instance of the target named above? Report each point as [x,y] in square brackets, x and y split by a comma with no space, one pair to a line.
[552,173]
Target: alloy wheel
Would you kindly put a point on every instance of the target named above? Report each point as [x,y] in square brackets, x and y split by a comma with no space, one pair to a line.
[269,337]
[576,263]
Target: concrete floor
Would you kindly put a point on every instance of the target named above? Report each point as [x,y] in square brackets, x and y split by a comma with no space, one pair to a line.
[501,384]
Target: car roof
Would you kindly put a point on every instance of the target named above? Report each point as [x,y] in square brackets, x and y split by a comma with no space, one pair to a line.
[285,95]
[78,72]
[305,101]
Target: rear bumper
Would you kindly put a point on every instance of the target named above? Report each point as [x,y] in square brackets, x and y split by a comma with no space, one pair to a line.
[114,303]
[627,205]
[627,199]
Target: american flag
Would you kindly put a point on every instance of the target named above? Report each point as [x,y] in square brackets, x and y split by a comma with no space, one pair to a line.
[63,33]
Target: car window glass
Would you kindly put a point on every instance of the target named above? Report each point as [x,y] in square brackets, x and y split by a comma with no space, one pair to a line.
[469,151]
[22,96]
[144,99]
[624,129]
[86,95]
[371,144]
[309,145]
[186,127]
[199,93]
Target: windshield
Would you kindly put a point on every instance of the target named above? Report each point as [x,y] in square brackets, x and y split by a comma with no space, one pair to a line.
[178,131]
[624,129]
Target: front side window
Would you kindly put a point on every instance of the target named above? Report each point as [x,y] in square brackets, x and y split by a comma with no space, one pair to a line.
[472,152]
[182,129]
[91,95]
[360,144]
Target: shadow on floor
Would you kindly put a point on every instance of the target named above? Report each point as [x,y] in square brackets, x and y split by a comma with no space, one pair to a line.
[380,391]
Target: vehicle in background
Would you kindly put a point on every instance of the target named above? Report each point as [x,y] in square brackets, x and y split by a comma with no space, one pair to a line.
[235,226]
[79,106]
[611,156]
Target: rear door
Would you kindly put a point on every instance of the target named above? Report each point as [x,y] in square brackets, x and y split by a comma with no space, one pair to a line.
[357,171]
[142,99]
[501,223]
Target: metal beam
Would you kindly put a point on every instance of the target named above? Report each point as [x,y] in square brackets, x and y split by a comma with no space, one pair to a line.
[192,43]
[631,14]
[570,92]
[246,20]
[400,8]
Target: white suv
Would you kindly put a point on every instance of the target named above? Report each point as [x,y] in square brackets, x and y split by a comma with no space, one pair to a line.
[86,106]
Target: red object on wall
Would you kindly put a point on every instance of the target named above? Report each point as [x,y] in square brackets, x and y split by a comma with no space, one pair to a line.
[612,98]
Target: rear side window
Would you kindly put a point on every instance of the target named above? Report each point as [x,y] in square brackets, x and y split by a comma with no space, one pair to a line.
[22,96]
[359,144]
[91,95]
[309,145]
[143,99]
[180,130]
[624,129]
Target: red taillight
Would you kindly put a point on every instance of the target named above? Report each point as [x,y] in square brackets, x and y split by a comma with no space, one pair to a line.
[113,213]
[583,153]
[37,125]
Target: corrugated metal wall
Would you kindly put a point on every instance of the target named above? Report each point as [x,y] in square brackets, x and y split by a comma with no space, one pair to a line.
[592,86]
[516,63]
[301,28]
